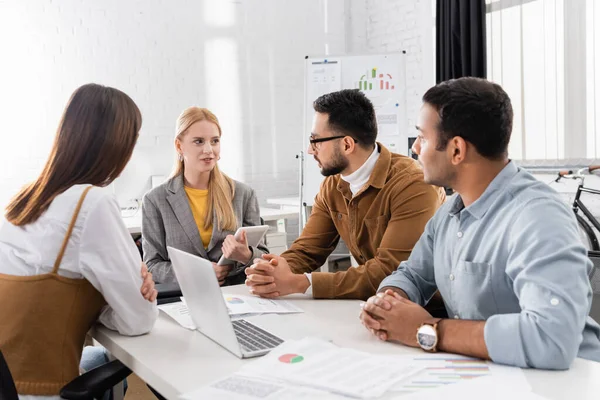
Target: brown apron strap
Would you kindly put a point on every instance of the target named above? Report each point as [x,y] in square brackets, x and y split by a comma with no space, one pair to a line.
[61,253]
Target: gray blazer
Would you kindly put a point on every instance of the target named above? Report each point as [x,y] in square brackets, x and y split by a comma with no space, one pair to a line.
[167,220]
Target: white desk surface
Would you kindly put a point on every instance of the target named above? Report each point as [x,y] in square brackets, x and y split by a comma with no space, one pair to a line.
[273,214]
[175,360]
[134,222]
[285,201]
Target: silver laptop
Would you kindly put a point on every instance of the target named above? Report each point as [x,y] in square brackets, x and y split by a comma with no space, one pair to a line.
[208,310]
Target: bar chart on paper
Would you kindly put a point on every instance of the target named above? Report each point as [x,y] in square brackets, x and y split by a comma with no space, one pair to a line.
[441,370]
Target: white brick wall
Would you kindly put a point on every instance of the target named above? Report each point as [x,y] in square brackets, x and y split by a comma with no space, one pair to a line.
[243,59]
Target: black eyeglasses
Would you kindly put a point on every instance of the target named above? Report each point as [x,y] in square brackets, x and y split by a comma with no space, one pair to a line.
[313,142]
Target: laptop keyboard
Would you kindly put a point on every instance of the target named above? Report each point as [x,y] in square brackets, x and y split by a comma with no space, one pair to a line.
[252,338]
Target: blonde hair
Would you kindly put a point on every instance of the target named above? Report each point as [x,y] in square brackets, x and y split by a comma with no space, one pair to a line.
[221,188]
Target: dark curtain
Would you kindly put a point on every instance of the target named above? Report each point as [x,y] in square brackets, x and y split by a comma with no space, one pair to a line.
[460,39]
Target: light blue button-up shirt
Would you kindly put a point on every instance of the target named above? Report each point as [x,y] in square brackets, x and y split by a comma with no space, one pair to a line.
[514,259]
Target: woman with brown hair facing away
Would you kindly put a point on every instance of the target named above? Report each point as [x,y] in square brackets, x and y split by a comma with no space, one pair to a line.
[199,209]
[66,258]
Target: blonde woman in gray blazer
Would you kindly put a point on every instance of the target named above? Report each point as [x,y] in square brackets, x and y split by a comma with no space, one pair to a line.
[199,208]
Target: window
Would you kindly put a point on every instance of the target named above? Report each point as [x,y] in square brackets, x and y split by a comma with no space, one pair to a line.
[546,55]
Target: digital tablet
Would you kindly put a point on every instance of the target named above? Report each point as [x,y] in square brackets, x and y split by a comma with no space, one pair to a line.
[253,234]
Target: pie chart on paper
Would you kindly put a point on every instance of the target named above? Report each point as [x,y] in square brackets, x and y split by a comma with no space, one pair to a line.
[235,300]
[291,358]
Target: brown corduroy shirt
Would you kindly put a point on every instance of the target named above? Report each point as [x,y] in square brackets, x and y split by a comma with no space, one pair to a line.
[380,225]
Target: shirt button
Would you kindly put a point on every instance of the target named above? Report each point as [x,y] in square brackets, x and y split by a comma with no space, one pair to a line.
[459,234]
[451,277]
[340,216]
[456,316]
[554,301]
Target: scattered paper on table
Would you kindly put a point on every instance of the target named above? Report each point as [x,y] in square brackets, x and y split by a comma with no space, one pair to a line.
[236,387]
[442,370]
[488,388]
[319,364]
[180,313]
[313,368]
[240,304]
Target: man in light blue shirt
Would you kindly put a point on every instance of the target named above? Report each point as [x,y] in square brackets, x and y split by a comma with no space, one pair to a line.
[504,252]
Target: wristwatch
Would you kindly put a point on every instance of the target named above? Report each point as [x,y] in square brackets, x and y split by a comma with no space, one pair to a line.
[427,335]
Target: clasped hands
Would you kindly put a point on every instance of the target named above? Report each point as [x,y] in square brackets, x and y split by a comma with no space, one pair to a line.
[390,316]
[271,276]
[387,315]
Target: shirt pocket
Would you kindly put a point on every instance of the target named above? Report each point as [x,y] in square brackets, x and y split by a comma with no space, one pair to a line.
[473,290]
[375,229]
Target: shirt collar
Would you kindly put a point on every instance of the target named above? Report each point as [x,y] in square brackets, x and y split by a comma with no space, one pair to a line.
[363,173]
[489,195]
[378,175]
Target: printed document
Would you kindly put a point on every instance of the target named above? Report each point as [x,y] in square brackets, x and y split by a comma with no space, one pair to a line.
[240,304]
[441,370]
[319,364]
[237,387]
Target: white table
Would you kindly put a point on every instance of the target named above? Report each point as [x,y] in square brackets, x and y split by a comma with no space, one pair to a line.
[277,235]
[274,214]
[175,360]
[285,202]
[134,223]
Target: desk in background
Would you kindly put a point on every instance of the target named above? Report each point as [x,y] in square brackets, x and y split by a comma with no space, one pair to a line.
[134,223]
[286,203]
[174,360]
[276,238]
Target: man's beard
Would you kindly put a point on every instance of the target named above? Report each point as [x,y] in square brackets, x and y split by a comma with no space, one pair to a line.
[337,164]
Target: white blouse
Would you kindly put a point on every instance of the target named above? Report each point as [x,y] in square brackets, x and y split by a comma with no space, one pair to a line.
[100,250]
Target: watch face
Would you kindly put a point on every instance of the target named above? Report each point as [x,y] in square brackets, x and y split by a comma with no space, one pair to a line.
[426,337]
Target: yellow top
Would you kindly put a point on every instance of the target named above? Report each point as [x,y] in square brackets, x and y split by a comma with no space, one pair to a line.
[198,199]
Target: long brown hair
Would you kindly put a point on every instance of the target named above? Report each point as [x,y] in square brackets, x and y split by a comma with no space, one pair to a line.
[221,188]
[93,143]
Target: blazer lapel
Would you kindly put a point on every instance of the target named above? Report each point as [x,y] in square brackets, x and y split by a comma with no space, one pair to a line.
[217,235]
[181,208]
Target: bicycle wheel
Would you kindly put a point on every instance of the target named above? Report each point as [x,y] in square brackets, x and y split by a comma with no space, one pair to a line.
[587,234]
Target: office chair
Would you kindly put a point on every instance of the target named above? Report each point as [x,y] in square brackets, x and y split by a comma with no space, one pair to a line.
[91,385]
[167,293]
[7,385]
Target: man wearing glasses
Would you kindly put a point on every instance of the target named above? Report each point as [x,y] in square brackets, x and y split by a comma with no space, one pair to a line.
[375,200]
